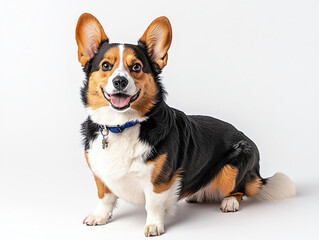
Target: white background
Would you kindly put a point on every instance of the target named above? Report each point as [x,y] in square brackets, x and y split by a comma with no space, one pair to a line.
[252,63]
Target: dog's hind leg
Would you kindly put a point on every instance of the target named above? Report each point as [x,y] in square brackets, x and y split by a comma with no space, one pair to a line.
[225,182]
[231,203]
[239,177]
[221,190]
[245,159]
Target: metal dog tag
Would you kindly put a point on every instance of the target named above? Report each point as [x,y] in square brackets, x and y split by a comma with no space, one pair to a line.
[105,132]
[104,143]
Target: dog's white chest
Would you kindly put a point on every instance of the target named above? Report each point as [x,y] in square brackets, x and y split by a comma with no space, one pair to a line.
[120,166]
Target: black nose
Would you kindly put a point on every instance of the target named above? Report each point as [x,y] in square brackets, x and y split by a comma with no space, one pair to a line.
[120,83]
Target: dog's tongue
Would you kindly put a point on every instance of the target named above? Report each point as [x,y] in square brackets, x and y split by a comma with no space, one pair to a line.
[120,101]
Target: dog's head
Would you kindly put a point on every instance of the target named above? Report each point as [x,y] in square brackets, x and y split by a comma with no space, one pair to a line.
[122,81]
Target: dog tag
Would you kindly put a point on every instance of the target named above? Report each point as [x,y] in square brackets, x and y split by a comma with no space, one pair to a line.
[104,143]
[105,132]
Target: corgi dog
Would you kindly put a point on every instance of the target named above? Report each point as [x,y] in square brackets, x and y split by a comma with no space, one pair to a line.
[143,151]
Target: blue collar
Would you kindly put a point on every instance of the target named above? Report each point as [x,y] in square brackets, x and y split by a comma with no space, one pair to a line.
[118,128]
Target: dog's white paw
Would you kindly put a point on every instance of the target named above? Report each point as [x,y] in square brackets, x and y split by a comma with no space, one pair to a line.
[153,230]
[229,204]
[94,219]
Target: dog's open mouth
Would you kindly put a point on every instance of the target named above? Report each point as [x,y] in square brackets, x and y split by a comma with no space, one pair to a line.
[120,101]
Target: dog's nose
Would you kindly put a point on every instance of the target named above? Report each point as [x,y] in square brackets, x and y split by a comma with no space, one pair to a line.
[120,83]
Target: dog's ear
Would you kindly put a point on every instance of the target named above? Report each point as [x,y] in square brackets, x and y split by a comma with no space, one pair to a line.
[89,34]
[158,38]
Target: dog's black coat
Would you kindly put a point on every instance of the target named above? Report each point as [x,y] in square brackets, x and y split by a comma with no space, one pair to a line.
[197,147]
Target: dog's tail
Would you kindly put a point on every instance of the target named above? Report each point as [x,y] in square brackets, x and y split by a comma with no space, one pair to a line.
[276,187]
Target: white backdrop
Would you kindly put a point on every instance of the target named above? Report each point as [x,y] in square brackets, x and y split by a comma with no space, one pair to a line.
[252,63]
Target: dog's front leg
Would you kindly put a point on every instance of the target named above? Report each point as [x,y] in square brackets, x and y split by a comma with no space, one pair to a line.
[103,211]
[155,205]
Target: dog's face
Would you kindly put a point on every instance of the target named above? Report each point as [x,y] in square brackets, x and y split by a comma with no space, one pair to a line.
[121,77]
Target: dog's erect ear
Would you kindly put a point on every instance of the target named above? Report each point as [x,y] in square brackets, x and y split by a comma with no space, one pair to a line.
[158,38]
[89,34]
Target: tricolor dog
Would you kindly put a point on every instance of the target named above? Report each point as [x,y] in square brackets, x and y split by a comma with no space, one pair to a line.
[143,151]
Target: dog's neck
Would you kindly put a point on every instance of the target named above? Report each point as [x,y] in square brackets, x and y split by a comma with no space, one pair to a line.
[109,117]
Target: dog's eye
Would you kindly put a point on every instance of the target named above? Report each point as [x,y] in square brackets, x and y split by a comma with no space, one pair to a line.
[106,66]
[136,67]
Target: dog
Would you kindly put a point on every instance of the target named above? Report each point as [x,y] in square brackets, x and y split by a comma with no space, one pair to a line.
[143,151]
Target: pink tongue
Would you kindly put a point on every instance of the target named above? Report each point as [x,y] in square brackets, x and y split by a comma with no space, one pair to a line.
[120,101]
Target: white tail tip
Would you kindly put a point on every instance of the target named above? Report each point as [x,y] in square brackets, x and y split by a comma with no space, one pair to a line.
[277,187]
